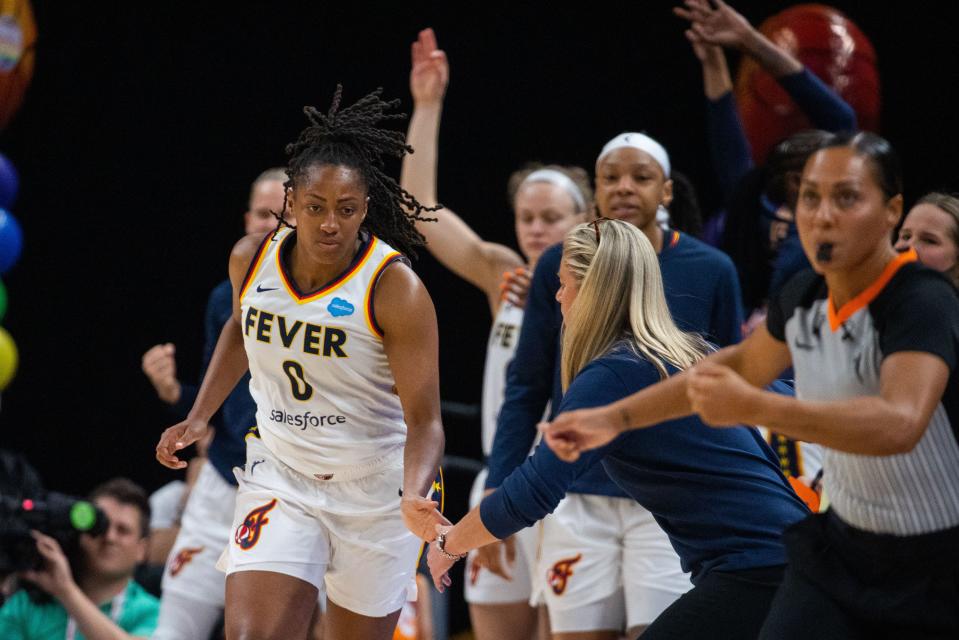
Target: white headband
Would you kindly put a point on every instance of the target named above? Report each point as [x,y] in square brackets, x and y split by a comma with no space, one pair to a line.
[638,141]
[561,180]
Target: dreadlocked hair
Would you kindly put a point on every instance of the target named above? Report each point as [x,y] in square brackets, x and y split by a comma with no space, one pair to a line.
[351,137]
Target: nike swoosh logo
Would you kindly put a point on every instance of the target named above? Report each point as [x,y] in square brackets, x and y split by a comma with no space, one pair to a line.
[260,289]
[253,466]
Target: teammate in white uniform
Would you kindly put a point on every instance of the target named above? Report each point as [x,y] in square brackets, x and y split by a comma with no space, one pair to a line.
[547,202]
[340,338]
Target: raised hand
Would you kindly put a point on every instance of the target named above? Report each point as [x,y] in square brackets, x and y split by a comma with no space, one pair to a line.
[179,436]
[573,432]
[159,366]
[430,72]
[720,25]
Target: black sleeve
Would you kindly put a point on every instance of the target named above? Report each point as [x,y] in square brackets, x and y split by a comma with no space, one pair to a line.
[918,311]
[800,289]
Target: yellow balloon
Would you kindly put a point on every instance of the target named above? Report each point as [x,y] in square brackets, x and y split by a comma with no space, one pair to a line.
[8,358]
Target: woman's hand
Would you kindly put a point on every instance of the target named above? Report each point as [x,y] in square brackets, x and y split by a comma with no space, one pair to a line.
[430,72]
[438,563]
[573,432]
[421,516]
[515,286]
[496,558]
[722,26]
[179,436]
[722,397]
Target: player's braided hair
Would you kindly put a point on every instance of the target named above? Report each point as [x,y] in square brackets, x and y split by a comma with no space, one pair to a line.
[351,137]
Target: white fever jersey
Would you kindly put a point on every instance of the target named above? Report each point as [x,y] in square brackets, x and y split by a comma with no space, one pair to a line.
[503,338]
[326,404]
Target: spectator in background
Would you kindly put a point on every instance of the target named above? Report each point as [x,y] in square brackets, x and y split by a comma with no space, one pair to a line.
[756,226]
[97,599]
[932,228]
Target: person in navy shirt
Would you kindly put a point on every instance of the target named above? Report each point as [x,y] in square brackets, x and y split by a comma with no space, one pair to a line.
[718,495]
[632,184]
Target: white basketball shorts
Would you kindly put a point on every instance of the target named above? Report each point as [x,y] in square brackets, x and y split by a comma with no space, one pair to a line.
[348,534]
[605,549]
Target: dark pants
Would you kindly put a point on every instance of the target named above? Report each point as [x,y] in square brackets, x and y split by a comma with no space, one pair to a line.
[722,606]
[847,583]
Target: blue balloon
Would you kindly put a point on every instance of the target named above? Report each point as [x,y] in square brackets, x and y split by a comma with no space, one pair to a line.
[9,182]
[11,240]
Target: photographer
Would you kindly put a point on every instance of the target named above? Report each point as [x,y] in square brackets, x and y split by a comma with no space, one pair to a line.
[96,599]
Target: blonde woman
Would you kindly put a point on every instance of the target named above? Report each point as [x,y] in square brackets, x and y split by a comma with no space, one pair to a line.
[718,495]
[932,228]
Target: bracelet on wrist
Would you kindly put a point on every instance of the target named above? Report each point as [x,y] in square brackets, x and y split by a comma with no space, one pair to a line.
[441,547]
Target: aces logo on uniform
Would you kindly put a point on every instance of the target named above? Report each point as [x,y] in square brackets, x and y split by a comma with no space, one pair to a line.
[248,533]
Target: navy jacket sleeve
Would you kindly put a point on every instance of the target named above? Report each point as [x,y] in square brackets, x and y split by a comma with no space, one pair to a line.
[728,146]
[219,307]
[534,489]
[823,106]
[726,323]
[529,377]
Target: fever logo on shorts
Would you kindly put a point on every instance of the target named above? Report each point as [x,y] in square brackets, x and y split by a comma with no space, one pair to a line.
[558,576]
[182,558]
[248,533]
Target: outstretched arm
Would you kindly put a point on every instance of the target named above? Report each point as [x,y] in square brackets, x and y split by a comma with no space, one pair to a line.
[227,366]
[405,313]
[757,360]
[911,384]
[918,337]
[449,239]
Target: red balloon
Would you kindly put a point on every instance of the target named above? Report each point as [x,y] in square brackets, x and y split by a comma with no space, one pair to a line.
[18,38]
[834,49]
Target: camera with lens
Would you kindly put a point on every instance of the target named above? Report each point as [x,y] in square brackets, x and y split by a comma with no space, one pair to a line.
[25,505]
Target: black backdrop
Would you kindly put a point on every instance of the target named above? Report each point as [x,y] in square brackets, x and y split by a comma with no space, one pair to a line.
[145,124]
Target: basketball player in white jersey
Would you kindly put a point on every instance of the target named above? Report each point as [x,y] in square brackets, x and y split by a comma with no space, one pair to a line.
[340,338]
[548,202]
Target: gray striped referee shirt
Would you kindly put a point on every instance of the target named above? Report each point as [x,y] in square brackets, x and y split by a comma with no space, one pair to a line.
[838,354]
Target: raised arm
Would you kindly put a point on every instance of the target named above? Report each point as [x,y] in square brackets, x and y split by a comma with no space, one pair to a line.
[725,27]
[449,239]
[404,311]
[227,366]
[728,146]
